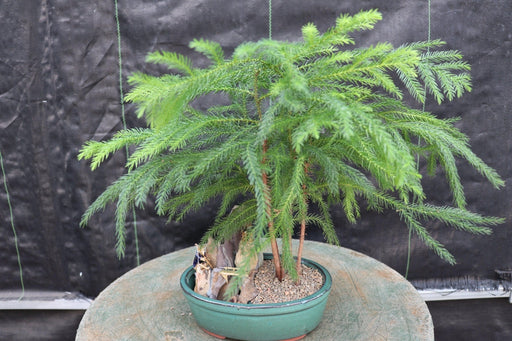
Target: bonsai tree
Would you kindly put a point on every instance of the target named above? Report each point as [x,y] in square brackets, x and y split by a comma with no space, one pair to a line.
[295,126]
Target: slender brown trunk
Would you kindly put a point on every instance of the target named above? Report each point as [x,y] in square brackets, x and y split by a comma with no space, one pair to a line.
[301,246]
[271,231]
[268,199]
[302,236]
[290,241]
[275,253]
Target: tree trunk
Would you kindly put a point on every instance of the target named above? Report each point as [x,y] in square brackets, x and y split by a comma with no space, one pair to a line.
[273,241]
[302,236]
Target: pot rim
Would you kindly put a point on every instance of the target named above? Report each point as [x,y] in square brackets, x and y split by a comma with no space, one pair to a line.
[324,290]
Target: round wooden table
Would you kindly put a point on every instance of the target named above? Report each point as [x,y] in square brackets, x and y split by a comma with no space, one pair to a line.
[368,301]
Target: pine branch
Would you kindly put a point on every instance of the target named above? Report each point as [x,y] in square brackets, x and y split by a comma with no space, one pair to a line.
[238,219]
[100,151]
[173,61]
[253,167]
[210,49]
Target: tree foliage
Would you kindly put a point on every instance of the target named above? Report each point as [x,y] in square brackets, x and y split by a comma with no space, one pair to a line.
[323,121]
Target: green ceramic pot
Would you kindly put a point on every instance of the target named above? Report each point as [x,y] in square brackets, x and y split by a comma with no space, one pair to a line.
[258,322]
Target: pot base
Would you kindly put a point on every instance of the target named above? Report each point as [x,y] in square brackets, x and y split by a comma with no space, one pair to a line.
[213,334]
[296,338]
[223,337]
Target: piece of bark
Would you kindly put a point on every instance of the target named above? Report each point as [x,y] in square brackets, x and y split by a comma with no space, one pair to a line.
[248,290]
[202,280]
[218,256]
[244,255]
[216,284]
[211,250]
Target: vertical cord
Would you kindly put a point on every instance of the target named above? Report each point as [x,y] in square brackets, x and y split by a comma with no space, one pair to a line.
[428,50]
[408,254]
[12,226]
[419,140]
[121,97]
[270,19]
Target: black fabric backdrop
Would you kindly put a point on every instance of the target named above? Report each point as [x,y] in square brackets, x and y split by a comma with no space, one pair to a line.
[59,88]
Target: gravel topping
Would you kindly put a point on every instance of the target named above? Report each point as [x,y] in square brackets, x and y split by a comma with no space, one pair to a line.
[270,290]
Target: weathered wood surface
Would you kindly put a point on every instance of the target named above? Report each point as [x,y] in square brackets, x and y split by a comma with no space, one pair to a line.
[369,301]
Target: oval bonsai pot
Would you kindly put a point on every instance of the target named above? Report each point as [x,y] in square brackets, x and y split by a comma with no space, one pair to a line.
[290,320]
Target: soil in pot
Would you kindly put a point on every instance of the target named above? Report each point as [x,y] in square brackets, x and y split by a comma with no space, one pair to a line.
[271,290]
